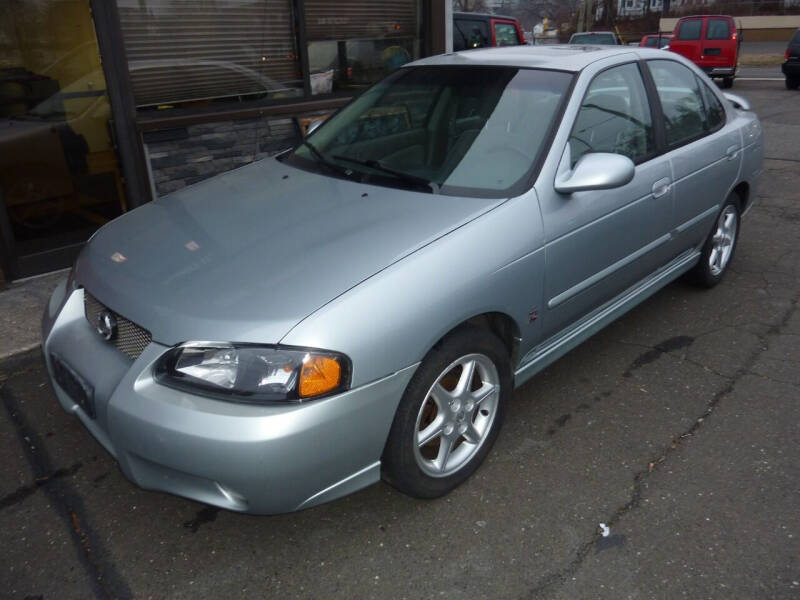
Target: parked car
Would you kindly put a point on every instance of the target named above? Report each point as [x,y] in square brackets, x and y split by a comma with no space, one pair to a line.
[657,40]
[594,38]
[711,42]
[791,64]
[477,30]
[364,304]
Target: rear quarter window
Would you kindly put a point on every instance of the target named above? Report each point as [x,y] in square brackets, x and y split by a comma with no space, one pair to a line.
[718,29]
[690,30]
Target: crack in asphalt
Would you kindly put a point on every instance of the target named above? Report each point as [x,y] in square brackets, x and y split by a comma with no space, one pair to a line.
[105,580]
[556,578]
[24,491]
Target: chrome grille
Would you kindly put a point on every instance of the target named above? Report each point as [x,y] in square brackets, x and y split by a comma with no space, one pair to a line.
[130,339]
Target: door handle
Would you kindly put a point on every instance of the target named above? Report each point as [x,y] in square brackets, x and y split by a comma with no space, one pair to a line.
[661,187]
[731,152]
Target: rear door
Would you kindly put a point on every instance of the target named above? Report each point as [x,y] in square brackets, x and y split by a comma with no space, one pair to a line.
[703,148]
[719,43]
[687,38]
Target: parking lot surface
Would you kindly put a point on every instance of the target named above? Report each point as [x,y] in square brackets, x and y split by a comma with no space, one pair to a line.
[677,427]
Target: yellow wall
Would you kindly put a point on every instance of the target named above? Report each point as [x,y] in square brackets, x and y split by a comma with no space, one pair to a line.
[56,38]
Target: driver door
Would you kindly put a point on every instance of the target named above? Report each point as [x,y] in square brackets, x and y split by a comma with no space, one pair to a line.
[603,241]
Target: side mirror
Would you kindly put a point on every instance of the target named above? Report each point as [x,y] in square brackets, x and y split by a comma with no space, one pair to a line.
[313,126]
[597,171]
[737,101]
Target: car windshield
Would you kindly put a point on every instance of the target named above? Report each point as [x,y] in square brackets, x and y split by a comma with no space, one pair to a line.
[593,38]
[474,131]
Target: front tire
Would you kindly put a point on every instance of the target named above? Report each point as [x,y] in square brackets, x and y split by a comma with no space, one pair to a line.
[450,414]
[719,247]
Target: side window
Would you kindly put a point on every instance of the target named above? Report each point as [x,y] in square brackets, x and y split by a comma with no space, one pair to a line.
[678,90]
[718,29]
[614,117]
[470,33]
[715,113]
[690,30]
[506,34]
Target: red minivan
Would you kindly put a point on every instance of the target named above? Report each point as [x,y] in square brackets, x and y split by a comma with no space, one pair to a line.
[711,42]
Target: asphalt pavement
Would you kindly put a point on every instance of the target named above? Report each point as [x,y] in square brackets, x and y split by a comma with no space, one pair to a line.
[677,427]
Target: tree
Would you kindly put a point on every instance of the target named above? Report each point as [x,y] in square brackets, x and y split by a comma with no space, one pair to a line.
[470,6]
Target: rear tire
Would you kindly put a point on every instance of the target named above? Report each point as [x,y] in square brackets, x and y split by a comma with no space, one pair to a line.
[727,82]
[719,248]
[792,83]
[450,414]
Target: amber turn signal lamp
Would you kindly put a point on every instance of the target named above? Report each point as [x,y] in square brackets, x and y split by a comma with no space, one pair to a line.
[318,375]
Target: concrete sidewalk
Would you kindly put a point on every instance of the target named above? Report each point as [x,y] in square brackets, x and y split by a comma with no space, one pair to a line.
[21,307]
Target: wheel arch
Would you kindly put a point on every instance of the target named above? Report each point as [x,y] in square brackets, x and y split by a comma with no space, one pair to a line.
[742,191]
[500,324]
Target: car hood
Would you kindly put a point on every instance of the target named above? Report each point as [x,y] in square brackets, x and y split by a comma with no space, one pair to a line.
[247,255]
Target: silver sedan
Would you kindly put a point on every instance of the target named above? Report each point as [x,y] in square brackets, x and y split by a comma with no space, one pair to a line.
[364,305]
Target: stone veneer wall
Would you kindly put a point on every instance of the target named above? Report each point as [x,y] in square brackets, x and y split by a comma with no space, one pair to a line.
[183,156]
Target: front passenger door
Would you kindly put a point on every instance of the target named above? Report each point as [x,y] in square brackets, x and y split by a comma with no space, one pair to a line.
[601,242]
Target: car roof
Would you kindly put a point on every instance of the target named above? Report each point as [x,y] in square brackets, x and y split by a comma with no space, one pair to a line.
[462,15]
[557,57]
[706,17]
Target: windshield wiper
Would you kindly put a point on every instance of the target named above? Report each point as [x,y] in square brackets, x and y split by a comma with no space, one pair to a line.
[374,164]
[320,158]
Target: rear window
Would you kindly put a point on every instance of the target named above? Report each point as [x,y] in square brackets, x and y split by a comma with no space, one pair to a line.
[506,34]
[796,37]
[470,34]
[690,30]
[718,29]
[593,38]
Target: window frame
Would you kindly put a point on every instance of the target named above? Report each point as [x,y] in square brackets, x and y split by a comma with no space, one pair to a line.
[656,123]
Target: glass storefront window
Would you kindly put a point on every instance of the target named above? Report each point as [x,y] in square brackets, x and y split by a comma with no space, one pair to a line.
[59,177]
[354,43]
[195,52]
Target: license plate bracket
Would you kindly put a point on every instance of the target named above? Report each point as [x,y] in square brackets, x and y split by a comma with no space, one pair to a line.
[73,385]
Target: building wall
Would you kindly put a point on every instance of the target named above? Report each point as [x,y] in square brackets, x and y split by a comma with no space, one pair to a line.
[181,157]
[186,155]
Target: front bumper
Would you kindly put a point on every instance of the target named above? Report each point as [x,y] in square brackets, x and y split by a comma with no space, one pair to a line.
[257,459]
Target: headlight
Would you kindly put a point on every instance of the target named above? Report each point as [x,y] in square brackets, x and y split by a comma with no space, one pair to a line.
[250,373]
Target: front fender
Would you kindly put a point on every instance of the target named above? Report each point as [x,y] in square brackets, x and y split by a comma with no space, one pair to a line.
[390,321]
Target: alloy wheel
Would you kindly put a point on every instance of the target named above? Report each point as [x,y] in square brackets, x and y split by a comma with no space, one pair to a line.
[456,416]
[723,240]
